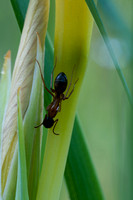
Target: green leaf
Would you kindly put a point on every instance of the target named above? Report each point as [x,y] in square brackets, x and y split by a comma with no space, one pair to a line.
[104,34]
[79,173]
[22,187]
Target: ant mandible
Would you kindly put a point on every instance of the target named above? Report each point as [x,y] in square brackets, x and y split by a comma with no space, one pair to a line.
[60,85]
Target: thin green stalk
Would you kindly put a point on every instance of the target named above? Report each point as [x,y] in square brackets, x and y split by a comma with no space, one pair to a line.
[22,188]
[104,34]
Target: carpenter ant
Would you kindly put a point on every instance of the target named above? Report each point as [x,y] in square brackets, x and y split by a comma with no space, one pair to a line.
[60,85]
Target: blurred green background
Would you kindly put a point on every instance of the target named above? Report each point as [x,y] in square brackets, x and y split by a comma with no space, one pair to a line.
[103,108]
[9,31]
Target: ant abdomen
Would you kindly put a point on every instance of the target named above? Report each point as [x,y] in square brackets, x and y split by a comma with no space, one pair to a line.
[48,122]
[60,83]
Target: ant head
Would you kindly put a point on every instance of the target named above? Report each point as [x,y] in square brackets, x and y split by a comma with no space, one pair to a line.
[48,122]
[60,83]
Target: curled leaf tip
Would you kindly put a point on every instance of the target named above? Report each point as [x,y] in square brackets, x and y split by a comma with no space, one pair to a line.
[38,38]
[8,54]
[37,33]
[18,91]
[7,62]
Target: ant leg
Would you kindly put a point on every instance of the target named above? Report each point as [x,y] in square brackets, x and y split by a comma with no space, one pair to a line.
[70,83]
[55,122]
[71,91]
[38,125]
[43,79]
[52,76]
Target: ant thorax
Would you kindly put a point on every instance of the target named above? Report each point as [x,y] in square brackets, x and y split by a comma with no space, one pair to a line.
[55,105]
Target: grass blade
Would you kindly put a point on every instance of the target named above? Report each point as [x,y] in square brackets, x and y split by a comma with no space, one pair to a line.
[79,173]
[22,171]
[103,32]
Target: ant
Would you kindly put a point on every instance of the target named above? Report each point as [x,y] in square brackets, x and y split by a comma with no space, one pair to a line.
[60,85]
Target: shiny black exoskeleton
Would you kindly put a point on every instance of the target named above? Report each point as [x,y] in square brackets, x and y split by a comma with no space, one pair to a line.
[60,85]
[48,122]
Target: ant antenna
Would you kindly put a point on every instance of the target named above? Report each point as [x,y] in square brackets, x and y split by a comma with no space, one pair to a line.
[70,80]
[43,79]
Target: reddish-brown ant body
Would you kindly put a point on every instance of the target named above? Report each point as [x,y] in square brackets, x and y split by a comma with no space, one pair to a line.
[60,85]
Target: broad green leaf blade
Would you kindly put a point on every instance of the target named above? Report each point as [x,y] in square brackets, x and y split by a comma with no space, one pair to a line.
[79,173]
[104,34]
[22,171]
[5,81]
[68,54]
